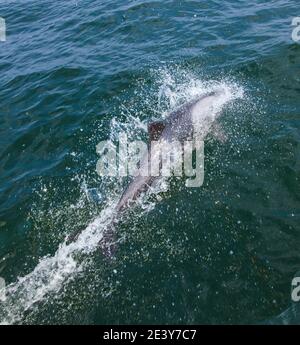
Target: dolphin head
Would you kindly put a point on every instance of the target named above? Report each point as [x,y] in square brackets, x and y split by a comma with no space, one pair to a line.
[206,109]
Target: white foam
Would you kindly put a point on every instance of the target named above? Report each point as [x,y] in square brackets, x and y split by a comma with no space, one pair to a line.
[53,272]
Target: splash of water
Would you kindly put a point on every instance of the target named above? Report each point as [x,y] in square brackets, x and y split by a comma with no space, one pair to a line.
[54,272]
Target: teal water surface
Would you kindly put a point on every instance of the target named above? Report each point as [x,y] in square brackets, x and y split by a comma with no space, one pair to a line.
[72,74]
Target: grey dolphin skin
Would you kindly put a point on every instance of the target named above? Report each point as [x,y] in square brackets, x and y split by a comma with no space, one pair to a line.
[193,118]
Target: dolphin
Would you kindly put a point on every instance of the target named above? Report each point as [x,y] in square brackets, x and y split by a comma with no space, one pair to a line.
[194,118]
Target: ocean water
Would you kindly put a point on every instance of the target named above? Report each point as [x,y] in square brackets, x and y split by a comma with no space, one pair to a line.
[74,73]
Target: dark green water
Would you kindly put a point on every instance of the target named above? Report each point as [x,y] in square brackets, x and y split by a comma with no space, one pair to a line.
[72,74]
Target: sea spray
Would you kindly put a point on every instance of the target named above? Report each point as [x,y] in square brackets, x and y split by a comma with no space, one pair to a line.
[54,272]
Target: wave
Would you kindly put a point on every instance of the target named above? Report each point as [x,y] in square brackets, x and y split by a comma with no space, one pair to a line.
[172,88]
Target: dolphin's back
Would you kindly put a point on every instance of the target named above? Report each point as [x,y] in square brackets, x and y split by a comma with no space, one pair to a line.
[179,123]
[178,126]
[137,186]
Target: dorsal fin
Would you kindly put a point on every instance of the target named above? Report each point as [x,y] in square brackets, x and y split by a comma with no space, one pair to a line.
[155,129]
